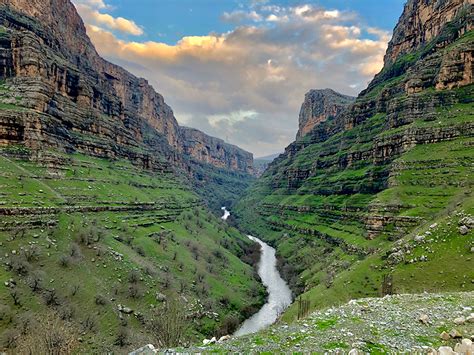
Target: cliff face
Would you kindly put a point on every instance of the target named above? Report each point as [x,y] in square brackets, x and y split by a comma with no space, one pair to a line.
[421,22]
[59,93]
[396,159]
[319,106]
[215,151]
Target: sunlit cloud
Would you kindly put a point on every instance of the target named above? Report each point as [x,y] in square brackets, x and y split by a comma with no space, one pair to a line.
[90,13]
[247,85]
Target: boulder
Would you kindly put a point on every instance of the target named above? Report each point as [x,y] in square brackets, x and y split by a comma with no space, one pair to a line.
[419,238]
[470,319]
[446,350]
[424,319]
[460,321]
[396,258]
[445,336]
[454,333]
[224,338]
[467,221]
[160,297]
[463,230]
[466,347]
[209,341]
[146,350]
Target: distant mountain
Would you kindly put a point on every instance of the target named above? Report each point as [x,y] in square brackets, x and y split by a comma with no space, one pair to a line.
[269,157]
[261,164]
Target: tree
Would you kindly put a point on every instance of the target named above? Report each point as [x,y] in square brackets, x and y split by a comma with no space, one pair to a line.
[170,324]
[51,336]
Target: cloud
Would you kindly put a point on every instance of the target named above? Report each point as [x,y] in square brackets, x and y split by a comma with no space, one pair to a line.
[239,16]
[247,85]
[89,11]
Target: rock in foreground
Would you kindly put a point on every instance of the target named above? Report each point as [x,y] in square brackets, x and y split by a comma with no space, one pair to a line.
[389,324]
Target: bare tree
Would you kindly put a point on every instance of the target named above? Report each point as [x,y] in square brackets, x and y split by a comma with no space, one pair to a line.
[170,324]
[51,336]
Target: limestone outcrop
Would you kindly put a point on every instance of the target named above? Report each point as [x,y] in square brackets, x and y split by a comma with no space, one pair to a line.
[58,93]
[319,106]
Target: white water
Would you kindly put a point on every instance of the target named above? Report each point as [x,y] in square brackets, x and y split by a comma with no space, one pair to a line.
[279,294]
[226,213]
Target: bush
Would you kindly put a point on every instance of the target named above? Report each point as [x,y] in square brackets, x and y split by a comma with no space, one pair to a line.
[35,280]
[50,336]
[9,338]
[19,265]
[122,337]
[134,291]
[64,260]
[134,277]
[51,298]
[100,300]
[75,251]
[89,324]
[32,253]
[229,325]
[170,324]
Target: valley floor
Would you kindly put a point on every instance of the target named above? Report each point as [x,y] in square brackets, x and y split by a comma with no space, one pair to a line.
[399,323]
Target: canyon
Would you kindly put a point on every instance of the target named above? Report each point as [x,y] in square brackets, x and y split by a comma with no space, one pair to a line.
[108,205]
[345,201]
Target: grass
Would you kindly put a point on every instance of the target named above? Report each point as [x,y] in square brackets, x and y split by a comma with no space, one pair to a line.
[318,205]
[175,246]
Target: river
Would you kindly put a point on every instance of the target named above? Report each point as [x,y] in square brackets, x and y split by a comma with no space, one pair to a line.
[279,294]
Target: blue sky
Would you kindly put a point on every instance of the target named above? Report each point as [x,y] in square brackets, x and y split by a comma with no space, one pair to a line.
[239,69]
[170,20]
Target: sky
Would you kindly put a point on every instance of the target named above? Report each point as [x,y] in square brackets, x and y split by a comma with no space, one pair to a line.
[239,69]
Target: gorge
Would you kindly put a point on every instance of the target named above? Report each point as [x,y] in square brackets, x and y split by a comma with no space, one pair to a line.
[120,227]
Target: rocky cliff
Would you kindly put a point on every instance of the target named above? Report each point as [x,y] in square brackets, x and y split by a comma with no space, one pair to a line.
[58,93]
[423,21]
[319,106]
[395,162]
[214,151]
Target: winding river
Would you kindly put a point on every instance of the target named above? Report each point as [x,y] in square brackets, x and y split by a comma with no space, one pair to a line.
[279,294]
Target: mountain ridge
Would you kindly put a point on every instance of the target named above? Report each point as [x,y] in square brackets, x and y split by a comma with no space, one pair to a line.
[118,88]
[343,202]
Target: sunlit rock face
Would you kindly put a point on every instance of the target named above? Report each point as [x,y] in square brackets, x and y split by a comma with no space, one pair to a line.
[71,99]
[319,106]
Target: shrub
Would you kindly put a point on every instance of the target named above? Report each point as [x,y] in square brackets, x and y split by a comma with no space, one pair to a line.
[229,325]
[122,337]
[64,260]
[100,300]
[15,295]
[51,298]
[50,336]
[35,280]
[89,324]
[75,251]
[9,338]
[170,324]
[31,253]
[134,291]
[134,277]
[19,265]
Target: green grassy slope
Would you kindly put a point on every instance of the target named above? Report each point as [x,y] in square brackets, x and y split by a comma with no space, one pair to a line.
[341,201]
[80,236]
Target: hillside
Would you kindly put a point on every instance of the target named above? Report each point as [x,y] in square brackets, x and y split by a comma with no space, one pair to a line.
[378,199]
[394,324]
[58,93]
[105,230]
